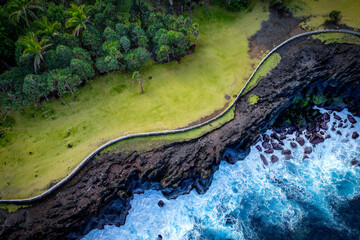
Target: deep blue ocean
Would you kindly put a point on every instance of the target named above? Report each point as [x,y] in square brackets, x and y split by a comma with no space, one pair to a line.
[314,198]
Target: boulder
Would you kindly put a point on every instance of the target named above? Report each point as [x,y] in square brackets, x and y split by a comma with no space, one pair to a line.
[316,138]
[286,152]
[308,150]
[274,159]
[277,146]
[161,204]
[351,119]
[266,145]
[300,140]
[293,145]
[337,117]
[355,135]
[263,159]
[269,151]
[258,147]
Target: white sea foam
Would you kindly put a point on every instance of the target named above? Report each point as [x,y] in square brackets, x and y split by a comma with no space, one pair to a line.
[282,194]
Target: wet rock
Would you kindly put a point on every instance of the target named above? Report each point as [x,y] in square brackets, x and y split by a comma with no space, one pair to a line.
[308,135]
[322,132]
[288,157]
[282,137]
[337,117]
[316,139]
[333,128]
[340,125]
[308,150]
[305,157]
[277,146]
[300,140]
[161,204]
[354,162]
[326,116]
[286,152]
[274,159]
[160,237]
[266,145]
[266,138]
[338,132]
[258,147]
[275,136]
[351,119]
[293,145]
[352,126]
[263,159]
[327,136]
[345,121]
[269,151]
[324,126]
[355,135]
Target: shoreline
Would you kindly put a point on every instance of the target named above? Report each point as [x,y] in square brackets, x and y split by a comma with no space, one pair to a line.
[88,202]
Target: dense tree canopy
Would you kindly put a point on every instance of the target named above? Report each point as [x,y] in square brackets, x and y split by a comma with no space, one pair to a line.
[58,45]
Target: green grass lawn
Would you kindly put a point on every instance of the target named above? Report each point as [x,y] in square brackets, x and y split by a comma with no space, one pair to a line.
[111,106]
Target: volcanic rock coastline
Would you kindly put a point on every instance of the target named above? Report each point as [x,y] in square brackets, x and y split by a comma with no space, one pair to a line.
[101,193]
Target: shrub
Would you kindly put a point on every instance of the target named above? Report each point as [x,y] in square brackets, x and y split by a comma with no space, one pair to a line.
[107,64]
[136,58]
[82,54]
[92,38]
[36,86]
[110,34]
[163,54]
[121,30]
[60,58]
[66,40]
[82,68]
[233,5]
[64,80]
[125,44]
[335,16]
[143,41]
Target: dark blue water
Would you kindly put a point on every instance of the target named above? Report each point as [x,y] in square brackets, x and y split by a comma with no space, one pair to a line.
[316,198]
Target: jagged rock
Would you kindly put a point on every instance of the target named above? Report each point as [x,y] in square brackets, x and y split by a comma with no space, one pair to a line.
[355,135]
[351,119]
[277,146]
[293,145]
[266,145]
[263,158]
[269,151]
[337,117]
[258,147]
[300,140]
[161,203]
[274,159]
[316,139]
[338,132]
[286,152]
[308,150]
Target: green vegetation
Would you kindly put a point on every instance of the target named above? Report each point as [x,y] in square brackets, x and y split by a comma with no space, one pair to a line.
[263,71]
[143,144]
[317,12]
[329,38]
[253,99]
[12,207]
[111,105]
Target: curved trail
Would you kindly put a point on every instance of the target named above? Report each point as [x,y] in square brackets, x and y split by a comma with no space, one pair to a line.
[91,155]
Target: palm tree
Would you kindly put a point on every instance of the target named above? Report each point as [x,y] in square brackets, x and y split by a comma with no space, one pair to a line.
[47,28]
[32,47]
[78,19]
[23,9]
[137,76]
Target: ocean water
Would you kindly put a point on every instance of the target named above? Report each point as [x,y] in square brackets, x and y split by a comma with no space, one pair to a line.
[315,198]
